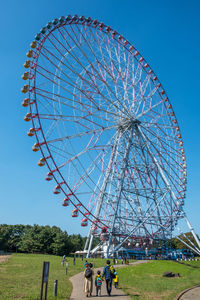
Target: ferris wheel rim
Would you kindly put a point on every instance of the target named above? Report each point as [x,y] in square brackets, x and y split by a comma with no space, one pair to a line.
[146,69]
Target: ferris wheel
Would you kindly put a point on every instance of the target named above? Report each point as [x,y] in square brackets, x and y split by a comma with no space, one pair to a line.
[106,131]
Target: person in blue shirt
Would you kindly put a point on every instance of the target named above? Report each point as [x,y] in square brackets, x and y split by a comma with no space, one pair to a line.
[86,264]
[108,277]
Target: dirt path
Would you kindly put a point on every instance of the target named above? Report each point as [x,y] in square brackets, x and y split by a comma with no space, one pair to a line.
[78,281]
[4,258]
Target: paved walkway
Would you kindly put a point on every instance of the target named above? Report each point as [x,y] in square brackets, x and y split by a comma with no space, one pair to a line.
[78,282]
[190,294]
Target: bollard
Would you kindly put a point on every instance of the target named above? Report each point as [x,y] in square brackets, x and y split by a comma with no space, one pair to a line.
[66,270]
[55,288]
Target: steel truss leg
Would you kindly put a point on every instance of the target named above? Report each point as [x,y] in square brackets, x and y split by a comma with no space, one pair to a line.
[191,248]
[192,231]
[113,159]
[120,186]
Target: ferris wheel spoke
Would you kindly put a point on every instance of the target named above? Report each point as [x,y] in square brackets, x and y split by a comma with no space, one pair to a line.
[141,96]
[73,84]
[78,119]
[173,182]
[51,100]
[91,166]
[108,49]
[46,106]
[51,96]
[153,177]
[162,140]
[163,151]
[78,45]
[106,68]
[149,109]
[80,134]
[77,155]
[113,66]
[90,47]
[162,170]
[161,154]
[84,92]
[74,56]
[90,204]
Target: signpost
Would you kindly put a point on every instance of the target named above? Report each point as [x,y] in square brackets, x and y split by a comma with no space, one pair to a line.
[45,276]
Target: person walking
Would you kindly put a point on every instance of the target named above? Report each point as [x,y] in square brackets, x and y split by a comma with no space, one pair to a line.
[86,264]
[74,261]
[88,283]
[63,261]
[98,283]
[66,268]
[116,280]
[108,277]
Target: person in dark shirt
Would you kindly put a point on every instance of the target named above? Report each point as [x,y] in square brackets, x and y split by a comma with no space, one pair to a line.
[108,277]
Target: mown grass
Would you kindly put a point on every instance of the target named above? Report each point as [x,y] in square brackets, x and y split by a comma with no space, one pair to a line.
[145,281]
[20,276]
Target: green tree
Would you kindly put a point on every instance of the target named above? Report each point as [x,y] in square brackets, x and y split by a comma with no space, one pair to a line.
[5,233]
[179,245]
[39,239]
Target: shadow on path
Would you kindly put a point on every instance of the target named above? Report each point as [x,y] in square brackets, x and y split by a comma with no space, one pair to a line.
[78,282]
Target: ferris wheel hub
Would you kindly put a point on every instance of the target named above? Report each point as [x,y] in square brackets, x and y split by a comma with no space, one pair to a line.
[127,123]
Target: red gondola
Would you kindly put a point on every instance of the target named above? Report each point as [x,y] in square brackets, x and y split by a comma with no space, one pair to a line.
[57,189]
[49,177]
[84,222]
[75,212]
[65,202]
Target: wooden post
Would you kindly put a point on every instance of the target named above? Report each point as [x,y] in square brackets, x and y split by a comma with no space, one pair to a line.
[55,288]
[45,295]
[45,276]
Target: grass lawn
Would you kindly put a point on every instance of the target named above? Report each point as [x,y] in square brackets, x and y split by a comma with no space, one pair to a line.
[20,276]
[145,281]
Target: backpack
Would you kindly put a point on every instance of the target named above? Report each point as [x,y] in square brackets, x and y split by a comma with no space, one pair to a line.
[88,273]
[99,281]
[112,271]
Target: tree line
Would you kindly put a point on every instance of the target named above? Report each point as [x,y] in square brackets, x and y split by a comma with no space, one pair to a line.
[39,239]
[52,240]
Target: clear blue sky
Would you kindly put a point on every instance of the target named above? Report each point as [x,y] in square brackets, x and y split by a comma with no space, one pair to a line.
[167,35]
